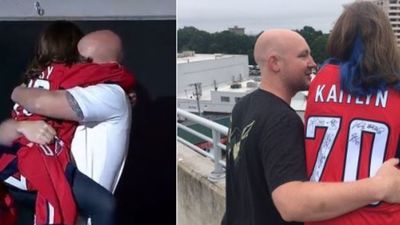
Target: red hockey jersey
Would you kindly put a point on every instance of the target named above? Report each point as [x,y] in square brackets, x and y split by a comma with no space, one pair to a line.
[44,165]
[348,138]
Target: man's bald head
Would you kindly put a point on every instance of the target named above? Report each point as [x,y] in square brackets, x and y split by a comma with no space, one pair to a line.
[103,46]
[274,41]
[285,62]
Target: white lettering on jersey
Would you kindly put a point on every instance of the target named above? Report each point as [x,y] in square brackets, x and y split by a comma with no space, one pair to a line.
[337,97]
[38,83]
[381,99]
[318,94]
[46,74]
[49,71]
[332,94]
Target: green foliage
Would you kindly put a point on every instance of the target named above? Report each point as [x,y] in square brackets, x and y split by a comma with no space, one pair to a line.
[190,38]
[317,42]
[318,48]
[309,33]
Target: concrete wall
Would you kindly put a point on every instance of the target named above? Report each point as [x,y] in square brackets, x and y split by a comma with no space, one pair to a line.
[200,201]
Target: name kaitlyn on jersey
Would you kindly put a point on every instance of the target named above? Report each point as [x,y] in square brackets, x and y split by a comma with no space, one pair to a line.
[331,93]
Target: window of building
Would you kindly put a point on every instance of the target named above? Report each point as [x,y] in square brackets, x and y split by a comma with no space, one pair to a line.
[225,99]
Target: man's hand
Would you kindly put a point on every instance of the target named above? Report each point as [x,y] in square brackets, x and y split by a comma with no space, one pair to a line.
[37,131]
[388,178]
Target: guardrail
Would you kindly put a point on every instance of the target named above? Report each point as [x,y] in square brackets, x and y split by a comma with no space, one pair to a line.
[215,153]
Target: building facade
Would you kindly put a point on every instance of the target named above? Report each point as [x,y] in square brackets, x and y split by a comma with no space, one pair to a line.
[211,82]
[237,30]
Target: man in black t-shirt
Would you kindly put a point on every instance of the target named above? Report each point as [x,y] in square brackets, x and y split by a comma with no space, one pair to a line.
[266,179]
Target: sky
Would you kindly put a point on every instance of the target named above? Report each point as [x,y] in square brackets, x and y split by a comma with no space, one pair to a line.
[258,15]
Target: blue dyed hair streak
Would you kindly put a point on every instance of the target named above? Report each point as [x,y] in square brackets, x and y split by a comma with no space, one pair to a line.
[350,70]
[353,78]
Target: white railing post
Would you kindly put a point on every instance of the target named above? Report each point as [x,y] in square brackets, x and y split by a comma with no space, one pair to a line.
[219,172]
[216,153]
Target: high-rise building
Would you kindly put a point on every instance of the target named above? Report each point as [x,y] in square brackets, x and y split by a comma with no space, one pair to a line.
[237,30]
[392,9]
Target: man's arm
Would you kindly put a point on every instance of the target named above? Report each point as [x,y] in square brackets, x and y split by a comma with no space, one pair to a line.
[299,200]
[55,104]
[313,201]
[94,103]
[36,131]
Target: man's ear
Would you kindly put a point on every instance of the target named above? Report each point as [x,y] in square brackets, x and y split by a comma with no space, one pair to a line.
[273,63]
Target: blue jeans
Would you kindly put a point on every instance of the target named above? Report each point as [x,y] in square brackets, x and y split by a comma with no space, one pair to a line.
[92,200]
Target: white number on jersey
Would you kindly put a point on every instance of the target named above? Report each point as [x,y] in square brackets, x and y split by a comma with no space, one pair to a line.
[38,83]
[332,125]
[356,129]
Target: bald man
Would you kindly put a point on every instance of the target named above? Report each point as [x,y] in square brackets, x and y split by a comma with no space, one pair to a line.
[266,179]
[93,46]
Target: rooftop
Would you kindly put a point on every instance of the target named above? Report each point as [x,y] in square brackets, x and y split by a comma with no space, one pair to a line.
[200,57]
[226,87]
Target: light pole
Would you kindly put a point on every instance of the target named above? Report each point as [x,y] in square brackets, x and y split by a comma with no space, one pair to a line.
[197,93]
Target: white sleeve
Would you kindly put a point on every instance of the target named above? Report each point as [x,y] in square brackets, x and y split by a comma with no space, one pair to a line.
[99,102]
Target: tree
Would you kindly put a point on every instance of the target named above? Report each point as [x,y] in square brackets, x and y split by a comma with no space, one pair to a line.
[317,42]
[229,43]
[190,38]
[309,33]
[318,48]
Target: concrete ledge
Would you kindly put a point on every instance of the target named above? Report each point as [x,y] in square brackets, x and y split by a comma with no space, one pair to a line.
[200,201]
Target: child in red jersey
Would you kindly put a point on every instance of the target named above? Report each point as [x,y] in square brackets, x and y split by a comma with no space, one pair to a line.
[53,68]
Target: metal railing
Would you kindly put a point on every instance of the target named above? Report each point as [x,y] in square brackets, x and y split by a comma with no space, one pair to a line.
[215,152]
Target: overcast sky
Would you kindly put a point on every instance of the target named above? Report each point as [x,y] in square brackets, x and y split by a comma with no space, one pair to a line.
[258,15]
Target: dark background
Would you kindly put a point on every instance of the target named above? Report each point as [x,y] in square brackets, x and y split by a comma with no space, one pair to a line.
[146,192]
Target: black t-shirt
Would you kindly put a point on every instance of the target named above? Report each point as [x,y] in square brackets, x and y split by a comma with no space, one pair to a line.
[266,149]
